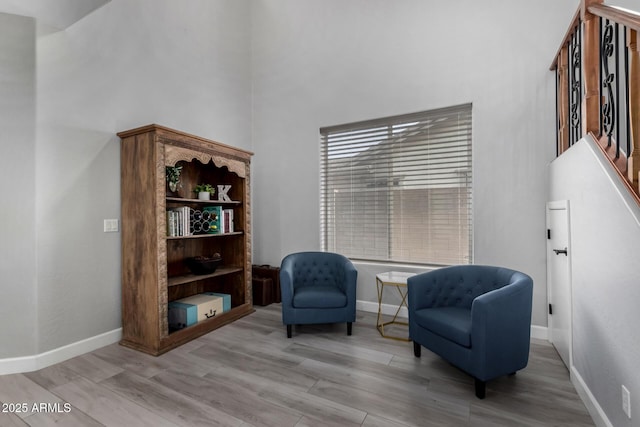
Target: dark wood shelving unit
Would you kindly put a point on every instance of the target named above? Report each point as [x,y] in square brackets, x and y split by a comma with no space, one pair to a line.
[153,269]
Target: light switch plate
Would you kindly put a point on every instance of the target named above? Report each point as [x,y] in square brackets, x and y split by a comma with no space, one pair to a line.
[110,225]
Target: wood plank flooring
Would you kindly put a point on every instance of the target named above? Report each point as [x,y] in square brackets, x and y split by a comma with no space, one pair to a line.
[249,374]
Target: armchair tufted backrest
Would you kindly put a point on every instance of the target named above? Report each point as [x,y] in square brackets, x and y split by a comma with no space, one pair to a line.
[317,269]
[458,286]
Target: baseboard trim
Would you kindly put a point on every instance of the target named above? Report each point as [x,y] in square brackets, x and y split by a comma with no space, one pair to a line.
[595,410]
[16,365]
[538,332]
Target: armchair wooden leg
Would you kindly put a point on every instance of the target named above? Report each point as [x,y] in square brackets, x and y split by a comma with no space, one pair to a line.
[481,388]
[416,349]
[349,328]
[289,327]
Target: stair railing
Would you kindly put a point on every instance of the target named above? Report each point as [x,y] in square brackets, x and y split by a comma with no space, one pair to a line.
[598,85]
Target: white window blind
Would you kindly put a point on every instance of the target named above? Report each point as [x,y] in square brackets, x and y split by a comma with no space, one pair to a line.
[399,188]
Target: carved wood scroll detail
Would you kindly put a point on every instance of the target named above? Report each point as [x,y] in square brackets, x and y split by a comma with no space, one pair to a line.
[161,230]
[175,154]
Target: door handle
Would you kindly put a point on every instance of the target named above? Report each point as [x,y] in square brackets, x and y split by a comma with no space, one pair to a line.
[561,251]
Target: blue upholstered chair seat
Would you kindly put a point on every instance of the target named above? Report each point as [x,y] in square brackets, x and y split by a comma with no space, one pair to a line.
[452,323]
[317,287]
[477,317]
[319,297]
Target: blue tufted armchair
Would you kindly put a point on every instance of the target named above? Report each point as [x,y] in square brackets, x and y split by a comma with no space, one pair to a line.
[476,317]
[317,287]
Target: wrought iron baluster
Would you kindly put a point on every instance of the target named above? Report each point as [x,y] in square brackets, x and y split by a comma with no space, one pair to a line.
[579,49]
[616,48]
[609,105]
[600,96]
[575,84]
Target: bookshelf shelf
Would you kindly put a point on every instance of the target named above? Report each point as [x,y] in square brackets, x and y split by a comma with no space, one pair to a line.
[205,236]
[179,200]
[154,271]
[190,278]
[179,337]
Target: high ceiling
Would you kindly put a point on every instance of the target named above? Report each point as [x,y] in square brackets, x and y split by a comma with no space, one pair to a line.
[56,14]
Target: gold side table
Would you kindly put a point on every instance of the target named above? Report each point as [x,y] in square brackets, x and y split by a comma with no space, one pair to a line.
[398,279]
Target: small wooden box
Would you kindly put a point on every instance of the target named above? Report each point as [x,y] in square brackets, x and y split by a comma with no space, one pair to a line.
[262,291]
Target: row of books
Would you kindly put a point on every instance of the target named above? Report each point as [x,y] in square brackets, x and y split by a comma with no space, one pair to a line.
[178,222]
[186,221]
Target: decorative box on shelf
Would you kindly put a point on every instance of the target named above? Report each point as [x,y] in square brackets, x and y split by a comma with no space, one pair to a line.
[213,215]
[201,307]
[226,300]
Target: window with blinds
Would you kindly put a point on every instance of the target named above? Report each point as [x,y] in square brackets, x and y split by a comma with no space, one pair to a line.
[398,189]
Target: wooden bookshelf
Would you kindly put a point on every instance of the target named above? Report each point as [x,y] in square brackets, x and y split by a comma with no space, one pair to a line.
[153,268]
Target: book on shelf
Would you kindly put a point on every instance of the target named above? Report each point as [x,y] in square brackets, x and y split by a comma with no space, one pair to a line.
[227,221]
[179,222]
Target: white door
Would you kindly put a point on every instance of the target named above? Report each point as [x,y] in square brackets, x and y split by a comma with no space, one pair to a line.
[559,278]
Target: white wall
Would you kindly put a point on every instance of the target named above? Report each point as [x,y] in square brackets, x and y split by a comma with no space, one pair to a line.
[17,216]
[605,238]
[184,65]
[326,62]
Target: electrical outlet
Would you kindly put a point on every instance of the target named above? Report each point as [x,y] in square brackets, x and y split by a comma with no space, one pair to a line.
[626,401]
[110,225]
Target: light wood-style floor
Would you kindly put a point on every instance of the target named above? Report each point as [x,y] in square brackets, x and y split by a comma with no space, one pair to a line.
[249,374]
